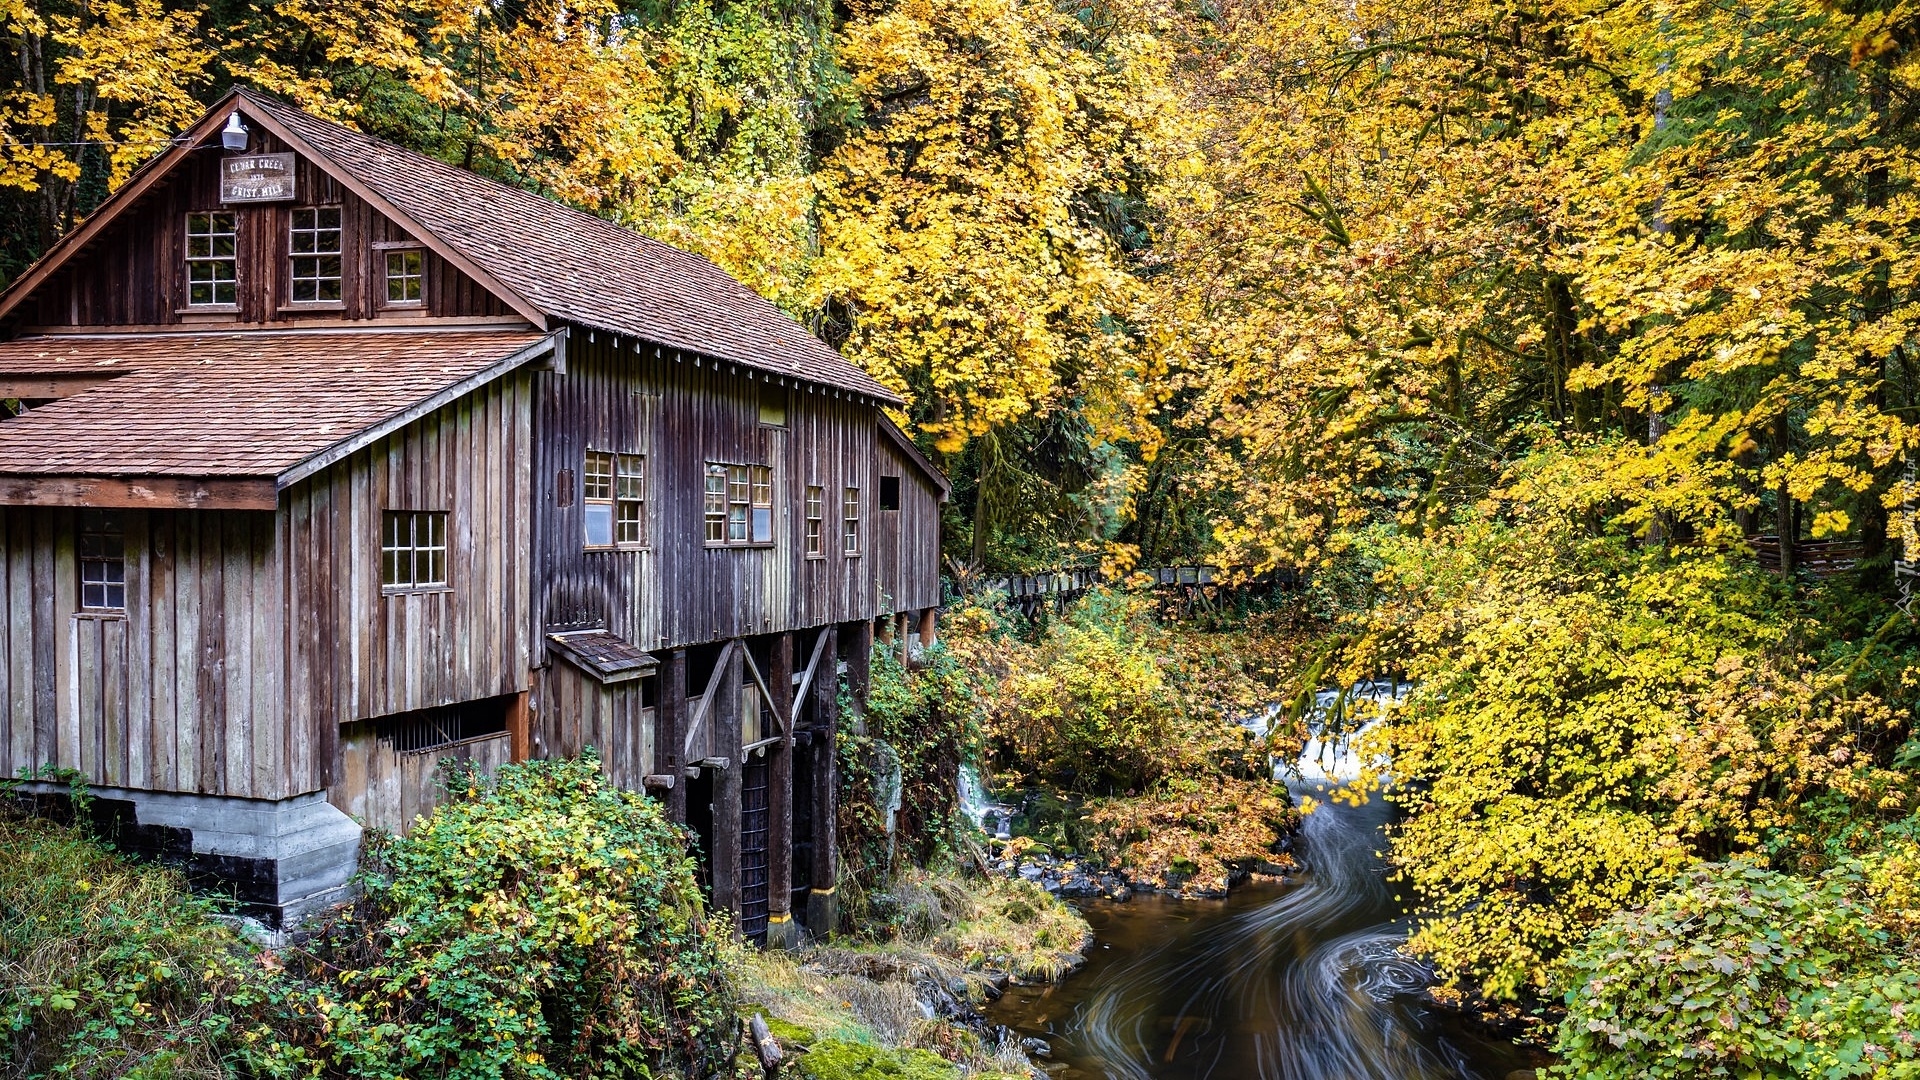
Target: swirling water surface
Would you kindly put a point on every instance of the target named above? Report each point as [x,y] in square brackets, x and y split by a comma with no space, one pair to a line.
[1294,981]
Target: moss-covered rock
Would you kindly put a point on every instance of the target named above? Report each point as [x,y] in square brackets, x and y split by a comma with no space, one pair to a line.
[831,1059]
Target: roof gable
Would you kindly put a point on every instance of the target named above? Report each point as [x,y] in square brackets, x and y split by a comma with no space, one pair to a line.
[544,260]
[573,265]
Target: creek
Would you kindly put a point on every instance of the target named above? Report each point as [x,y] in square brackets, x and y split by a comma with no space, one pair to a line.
[1294,980]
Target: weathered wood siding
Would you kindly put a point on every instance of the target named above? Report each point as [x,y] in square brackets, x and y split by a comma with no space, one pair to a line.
[387,789]
[134,273]
[357,651]
[579,711]
[906,545]
[683,412]
[187,690]
[250,637]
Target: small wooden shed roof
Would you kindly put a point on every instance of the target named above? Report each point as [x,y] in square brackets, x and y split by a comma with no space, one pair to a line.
[262,405]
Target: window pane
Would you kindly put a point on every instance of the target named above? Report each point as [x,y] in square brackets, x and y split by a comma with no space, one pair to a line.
[762,486]
[598,475]
[629,521]
[633,475]
[762,525]
[599,518]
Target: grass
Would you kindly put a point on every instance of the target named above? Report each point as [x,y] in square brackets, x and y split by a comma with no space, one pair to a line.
[108,967]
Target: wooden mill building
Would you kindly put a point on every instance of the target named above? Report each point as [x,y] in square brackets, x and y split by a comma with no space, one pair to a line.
[325,461]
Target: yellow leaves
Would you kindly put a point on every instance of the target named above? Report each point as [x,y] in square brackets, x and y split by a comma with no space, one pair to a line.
[1831,523]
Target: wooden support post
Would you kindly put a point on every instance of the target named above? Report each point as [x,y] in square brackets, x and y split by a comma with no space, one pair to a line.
[780,799]
[725,721]
[928,622]
[670,740]
[823,903]
[905,639]
[519,728]
[859,658]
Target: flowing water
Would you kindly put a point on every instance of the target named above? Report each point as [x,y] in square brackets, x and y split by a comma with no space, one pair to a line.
[1301,980]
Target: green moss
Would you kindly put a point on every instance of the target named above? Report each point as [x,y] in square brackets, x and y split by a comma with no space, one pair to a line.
[790,1035]
[831,1059]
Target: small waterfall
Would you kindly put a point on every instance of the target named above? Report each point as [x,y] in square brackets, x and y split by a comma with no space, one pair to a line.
[977,803]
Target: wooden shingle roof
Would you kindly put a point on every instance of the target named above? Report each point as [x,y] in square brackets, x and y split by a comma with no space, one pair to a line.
[573,265]
[241,404]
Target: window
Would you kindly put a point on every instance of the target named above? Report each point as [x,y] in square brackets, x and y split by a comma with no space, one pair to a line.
[739,504]
[716,504]
[413,549]
[211,263]
[315,244]
[614,499]
[630,494]
[773,405]
[404,276]
[850,519]
[816,511]
[889,493]
[102,547]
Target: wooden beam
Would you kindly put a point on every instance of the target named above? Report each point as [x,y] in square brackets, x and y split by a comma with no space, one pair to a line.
[671,714]
[144,492]
[780,927]
[519,733]
[806,680]
[766,695]
[699,719]
[53,384]
[823,904]
[726,794]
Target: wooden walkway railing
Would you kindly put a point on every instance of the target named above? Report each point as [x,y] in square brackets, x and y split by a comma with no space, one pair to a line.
[1184,589]
[1820,558]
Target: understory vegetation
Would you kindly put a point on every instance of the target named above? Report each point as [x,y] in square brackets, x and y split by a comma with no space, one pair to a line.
[541,924]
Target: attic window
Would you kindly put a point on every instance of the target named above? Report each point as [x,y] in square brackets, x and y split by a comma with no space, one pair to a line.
[773,405]
[315,245]
[889,493]
[211,262]
[405,276]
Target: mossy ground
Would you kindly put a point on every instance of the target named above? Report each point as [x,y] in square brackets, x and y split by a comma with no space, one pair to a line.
[941,942]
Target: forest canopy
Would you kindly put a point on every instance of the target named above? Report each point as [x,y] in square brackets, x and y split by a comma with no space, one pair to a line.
[1521,330]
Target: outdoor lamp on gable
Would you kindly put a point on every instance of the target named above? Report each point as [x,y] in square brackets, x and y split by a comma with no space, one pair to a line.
[234,136]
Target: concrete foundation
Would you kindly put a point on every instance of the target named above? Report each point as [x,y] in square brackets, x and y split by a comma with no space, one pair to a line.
[278,860]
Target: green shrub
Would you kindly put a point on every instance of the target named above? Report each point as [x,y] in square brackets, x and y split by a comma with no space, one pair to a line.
[109,967]
[542,924]
[1744,972]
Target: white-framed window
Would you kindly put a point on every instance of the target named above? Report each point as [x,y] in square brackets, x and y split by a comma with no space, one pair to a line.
[630,500]
[212,259]
[413,549]
[614,499]
[816,523]
[314,243]
[101,544]
[596,498]
[739,504]
[406,277]
[850,522]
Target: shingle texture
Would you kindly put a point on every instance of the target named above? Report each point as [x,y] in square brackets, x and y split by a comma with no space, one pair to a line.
[578,267]
[239,404]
